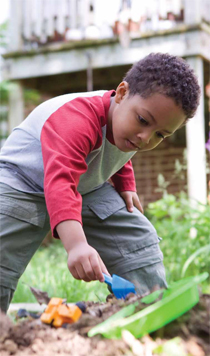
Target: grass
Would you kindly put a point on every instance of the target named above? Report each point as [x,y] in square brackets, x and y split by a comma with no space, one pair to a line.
[48,272]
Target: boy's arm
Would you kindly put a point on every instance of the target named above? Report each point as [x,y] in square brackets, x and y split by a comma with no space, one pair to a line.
[124,179]
[67,137]
[84,261]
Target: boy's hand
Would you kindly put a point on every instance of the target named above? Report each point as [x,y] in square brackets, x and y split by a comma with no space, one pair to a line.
[85,263]
[131,200]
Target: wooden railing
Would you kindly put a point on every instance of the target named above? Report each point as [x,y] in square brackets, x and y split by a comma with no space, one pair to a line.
[37,22]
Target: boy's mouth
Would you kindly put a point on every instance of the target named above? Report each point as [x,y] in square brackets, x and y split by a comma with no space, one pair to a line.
[132,145]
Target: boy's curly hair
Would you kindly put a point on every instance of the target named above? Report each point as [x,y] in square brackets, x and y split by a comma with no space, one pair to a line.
[168,75]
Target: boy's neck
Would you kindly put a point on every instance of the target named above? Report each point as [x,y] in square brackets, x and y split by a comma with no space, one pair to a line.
[110,112]
[109,133]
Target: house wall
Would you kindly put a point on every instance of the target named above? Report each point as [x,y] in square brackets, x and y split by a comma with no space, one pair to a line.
[148,166]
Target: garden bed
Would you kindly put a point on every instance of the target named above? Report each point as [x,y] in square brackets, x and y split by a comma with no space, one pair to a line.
[32,337]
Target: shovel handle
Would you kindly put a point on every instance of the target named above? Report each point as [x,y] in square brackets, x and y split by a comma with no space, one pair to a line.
[107,279]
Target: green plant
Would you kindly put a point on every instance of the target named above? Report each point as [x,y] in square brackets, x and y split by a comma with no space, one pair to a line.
[32,96]
[204,249]
[172,347]
[162,184]
[5,87]
[185,230]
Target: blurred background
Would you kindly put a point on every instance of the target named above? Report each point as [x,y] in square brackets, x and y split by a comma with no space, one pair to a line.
[53,47]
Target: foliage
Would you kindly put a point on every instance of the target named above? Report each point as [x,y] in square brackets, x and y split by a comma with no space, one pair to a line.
[3,34]
[48,271]
[180,169]
[162,184]
[5,87]
[205,249]
[172,347]
[185,228]
[32,96]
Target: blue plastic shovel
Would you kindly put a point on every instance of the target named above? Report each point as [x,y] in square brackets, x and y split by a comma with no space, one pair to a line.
[120,286]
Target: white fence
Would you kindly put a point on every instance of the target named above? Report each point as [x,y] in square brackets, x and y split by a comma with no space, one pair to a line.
[36,22]
[3,123]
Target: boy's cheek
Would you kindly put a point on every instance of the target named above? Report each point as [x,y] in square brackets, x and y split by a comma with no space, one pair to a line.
[151,146]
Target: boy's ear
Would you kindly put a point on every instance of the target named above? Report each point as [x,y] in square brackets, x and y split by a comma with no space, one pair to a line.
[121,91]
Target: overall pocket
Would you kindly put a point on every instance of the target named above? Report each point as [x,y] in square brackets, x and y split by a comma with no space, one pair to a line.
[23,210]
[106,206]
[131,232]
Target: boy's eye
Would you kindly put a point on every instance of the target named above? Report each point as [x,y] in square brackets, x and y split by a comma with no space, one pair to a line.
[142,121]
[159,134]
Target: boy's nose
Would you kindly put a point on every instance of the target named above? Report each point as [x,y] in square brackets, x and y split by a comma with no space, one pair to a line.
[145,137]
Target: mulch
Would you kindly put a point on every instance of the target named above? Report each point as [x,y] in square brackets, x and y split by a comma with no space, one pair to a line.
[32,337]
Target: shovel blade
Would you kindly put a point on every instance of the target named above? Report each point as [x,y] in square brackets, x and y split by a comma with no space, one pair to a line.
[121,287]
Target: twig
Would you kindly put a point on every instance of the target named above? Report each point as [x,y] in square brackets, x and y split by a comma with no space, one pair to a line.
[133,343]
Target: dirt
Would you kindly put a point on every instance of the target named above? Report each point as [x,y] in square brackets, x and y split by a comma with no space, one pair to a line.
[32,337]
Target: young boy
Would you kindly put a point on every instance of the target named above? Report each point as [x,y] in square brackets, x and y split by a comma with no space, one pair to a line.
[58,161]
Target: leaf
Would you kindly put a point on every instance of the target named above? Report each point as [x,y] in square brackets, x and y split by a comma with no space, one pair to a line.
[204,249]
[41,297]
[178,166]
[172,347]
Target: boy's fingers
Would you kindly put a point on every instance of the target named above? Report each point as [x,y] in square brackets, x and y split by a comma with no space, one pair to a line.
[78,274]
[103,267]
[89,272]
[74,273]
[96,267]
[82,273]
[138,205]
[129,204]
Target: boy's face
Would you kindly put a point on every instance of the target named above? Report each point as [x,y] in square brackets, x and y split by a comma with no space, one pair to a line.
[140,124]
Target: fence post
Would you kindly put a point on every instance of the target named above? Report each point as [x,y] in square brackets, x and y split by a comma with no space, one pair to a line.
[16,105]
[192,11]
[15,25]
[195,135]
[89,72]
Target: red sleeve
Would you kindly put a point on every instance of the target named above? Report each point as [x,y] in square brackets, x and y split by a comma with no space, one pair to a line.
[124,179]
[67,137]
